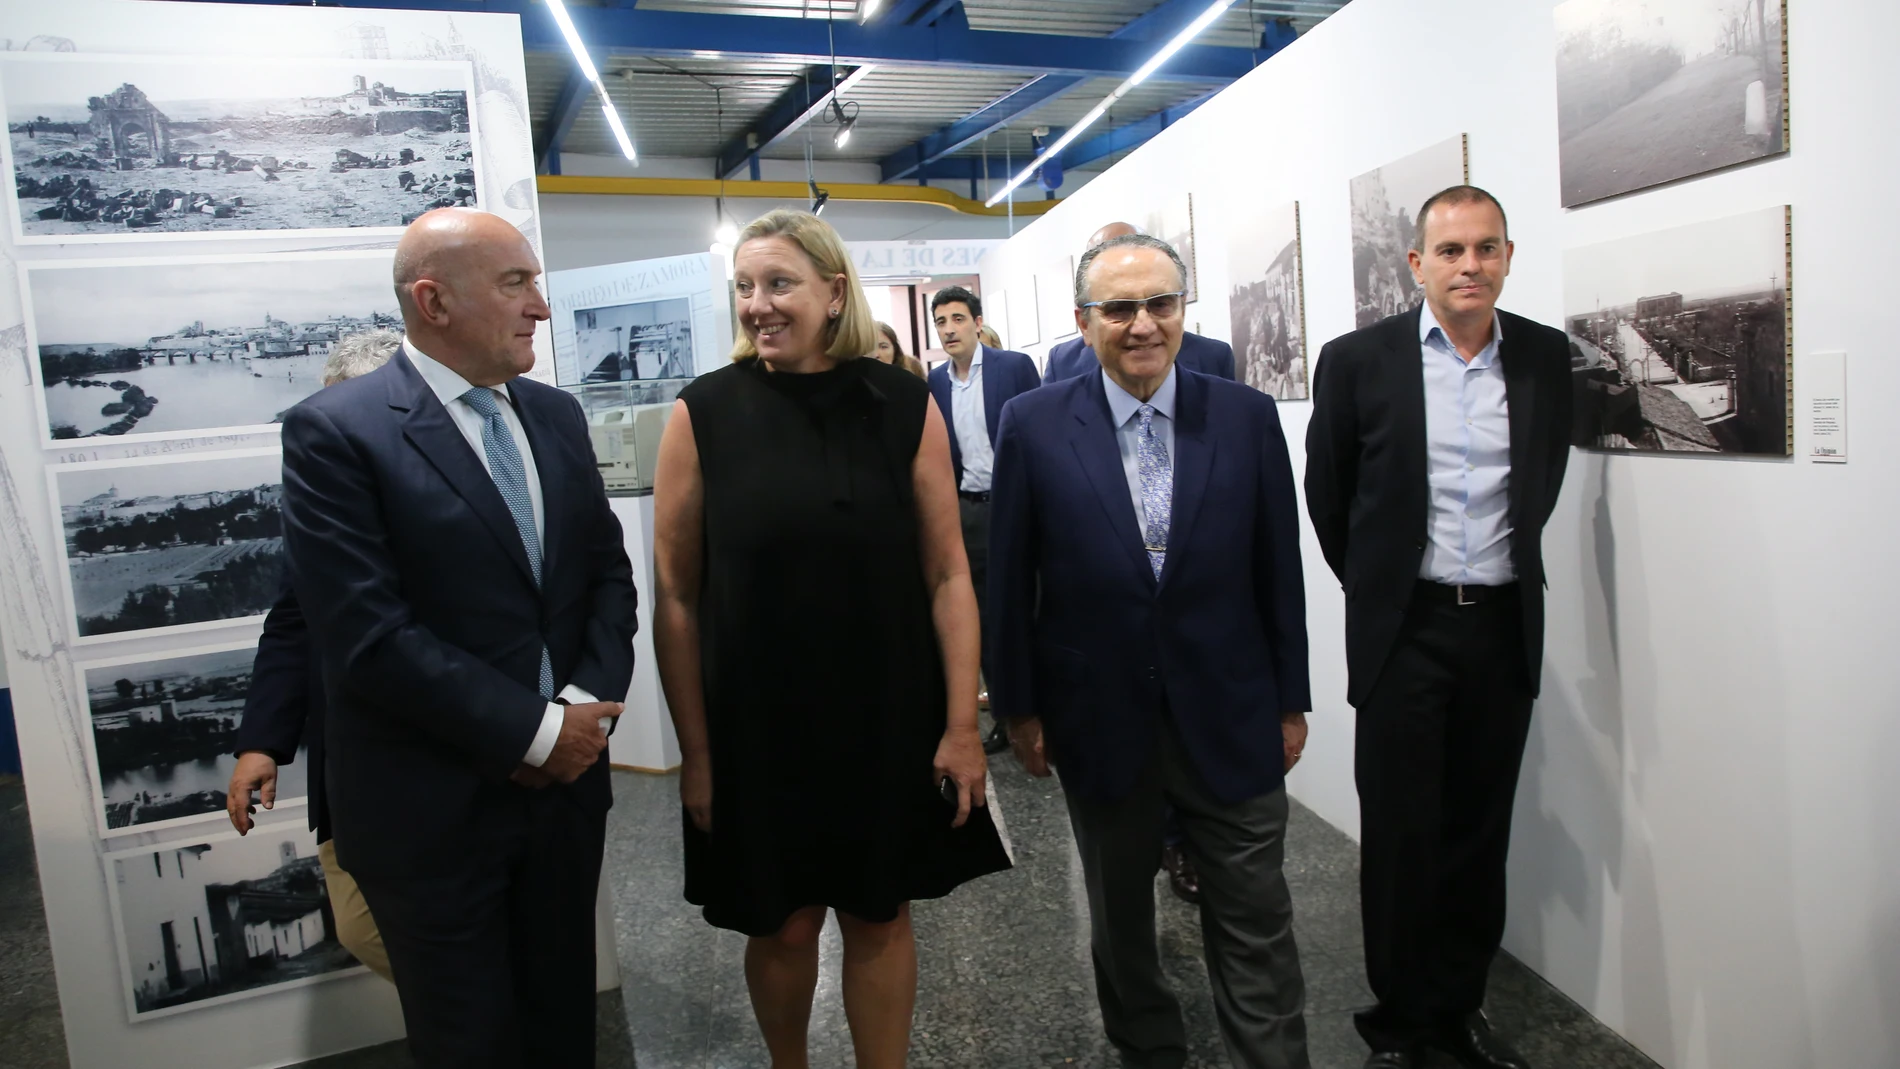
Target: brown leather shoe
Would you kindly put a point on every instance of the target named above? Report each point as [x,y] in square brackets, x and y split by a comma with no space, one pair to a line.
[1182,878]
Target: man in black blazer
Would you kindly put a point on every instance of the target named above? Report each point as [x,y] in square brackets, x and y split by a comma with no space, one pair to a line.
[466,588]
[1069,359]
[1434,456]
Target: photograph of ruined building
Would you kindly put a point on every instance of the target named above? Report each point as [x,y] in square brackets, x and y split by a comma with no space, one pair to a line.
[223,918]
[1679,338]
[1266,299]
[170,543]
[166,348]
[1651,91]
[105,147]
[1385,204]
[164,733]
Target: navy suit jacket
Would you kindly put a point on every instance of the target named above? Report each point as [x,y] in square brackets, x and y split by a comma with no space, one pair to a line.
[427,619]
[1085,637]
[1005,374]
[283,709]
[1209,356]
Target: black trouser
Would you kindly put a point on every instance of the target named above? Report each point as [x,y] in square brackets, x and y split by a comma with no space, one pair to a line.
[975,513]
[1440,739]
[494,961]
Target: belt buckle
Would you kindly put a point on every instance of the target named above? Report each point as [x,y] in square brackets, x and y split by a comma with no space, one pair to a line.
[1460,587]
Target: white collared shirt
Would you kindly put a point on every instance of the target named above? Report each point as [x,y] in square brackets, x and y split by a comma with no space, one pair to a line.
[1468,452]
[1126,408]
[448,387]
[973,430]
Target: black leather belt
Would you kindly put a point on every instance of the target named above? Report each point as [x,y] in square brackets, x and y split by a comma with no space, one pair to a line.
[974,495]
[1456,594]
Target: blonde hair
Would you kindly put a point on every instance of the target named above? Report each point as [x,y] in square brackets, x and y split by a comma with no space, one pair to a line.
[854,333]
[988,337]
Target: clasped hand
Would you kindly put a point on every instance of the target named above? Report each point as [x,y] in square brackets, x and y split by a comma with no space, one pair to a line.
[583,736]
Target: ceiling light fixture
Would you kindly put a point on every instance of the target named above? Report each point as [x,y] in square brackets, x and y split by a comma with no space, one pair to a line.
[867,9]
[819,197]
[843,114]
[592,74]
[1188,33]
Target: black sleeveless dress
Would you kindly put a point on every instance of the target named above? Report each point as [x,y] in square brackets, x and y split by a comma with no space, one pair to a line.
[823,678]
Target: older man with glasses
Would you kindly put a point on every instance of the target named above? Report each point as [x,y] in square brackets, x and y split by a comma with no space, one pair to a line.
[1148,641]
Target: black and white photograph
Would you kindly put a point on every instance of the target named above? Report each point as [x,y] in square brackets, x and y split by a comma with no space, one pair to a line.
[1651,91]
[163,737]
[1266,298]
[641,341]
[155,348]
[1679,338]
[1173,222]
[170,545]
[1385,204]
[107,147]
[223,918]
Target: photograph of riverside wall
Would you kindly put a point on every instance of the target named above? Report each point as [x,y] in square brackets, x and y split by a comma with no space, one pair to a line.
[163,737]
[1385,204]
[1651,91]
[104,147]
[170,544]
[167,348]
[223,918]
[1266,298]
[1679,338]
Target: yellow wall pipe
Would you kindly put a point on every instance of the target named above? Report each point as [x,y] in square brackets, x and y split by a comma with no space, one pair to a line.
[712,187]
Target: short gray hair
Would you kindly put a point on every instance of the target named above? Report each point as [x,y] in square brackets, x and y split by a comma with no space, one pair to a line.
[360,354]
[1138,241]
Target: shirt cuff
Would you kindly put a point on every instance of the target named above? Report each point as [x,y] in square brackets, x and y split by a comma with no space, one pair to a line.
[546,735]
[574,695]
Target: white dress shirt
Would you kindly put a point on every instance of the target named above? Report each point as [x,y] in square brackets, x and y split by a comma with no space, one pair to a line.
[1126,409]
[448,388]
[973,429]
[1468,451]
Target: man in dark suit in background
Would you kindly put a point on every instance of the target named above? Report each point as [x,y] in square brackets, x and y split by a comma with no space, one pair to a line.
[1209,356]
[463,577]
[1434,455]
[971,389]
[1149,640]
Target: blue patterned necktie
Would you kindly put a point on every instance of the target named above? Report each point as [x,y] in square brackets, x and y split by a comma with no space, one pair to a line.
[511,478]
[1157,489]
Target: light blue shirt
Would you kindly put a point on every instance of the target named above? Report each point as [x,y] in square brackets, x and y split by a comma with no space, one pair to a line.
[1468,448]
[1126,408]
[973,430]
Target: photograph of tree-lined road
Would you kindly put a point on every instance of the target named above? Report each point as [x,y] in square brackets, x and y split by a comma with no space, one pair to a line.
[1651,91]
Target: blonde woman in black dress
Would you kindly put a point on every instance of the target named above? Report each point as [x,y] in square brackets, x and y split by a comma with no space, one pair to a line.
[804,501]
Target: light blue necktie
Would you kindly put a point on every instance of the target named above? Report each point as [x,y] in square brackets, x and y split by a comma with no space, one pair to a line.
[1157,489]
[511,478]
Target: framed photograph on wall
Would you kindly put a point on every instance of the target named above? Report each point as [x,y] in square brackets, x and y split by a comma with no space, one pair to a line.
[163,737]
[200,922]
[1385,204]
[169,545]
[1652,91]
[1173,222]
[140,148]
[1266,298]
[174,347]
[1680,338]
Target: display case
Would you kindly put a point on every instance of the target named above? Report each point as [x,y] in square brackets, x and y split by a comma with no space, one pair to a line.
[625,420]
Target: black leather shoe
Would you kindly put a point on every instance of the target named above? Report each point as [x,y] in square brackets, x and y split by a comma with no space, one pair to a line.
[1475,1046]
[996,741]
[1182,879]
[1392,1059]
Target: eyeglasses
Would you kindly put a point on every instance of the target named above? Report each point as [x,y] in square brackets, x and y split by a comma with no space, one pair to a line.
[1160,306]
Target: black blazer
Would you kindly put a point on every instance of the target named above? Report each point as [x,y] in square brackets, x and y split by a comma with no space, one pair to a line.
[283,709]
[1366,474]
[1209,356]
[424,612]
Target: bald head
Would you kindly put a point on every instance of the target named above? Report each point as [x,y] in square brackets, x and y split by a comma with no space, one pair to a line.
[1111,231]
[465,281]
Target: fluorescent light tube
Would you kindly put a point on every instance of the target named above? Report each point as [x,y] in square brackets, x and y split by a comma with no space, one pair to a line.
[574,40]
[620,132]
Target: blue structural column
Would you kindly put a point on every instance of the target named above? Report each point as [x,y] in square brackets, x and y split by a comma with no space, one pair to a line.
[575,93]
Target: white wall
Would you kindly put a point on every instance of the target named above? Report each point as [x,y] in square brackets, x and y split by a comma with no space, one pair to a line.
[1707,849]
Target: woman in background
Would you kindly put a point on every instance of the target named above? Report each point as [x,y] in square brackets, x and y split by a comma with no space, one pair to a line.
[891,351]
[988,336]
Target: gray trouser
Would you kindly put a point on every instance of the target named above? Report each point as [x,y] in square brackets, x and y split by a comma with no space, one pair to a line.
[1246,917]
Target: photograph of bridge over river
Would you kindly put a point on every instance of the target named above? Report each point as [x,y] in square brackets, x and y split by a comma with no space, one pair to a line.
[163,734]
[154,348]
[164,544]
[1679,338]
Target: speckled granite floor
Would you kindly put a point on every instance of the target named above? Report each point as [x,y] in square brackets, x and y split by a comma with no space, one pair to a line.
[1004,976]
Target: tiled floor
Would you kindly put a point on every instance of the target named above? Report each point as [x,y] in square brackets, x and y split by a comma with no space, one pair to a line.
[1004,975]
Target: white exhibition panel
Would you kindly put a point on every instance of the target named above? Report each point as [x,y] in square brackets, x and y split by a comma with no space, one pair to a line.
[644,738]
[1705,853]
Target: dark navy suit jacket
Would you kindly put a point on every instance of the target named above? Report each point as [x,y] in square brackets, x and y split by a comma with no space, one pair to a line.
[1005,374]
[283,710]
[1209,356]
[1085,637]
[426,617]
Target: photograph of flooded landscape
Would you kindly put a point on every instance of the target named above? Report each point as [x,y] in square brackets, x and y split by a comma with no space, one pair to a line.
[170,543]
[111,147]
[164,734]
[1679,338]
[166,348]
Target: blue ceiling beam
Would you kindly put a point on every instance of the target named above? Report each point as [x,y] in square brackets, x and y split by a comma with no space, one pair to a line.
[1132,135]
[1160,22]
[575,94]
[796,106]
